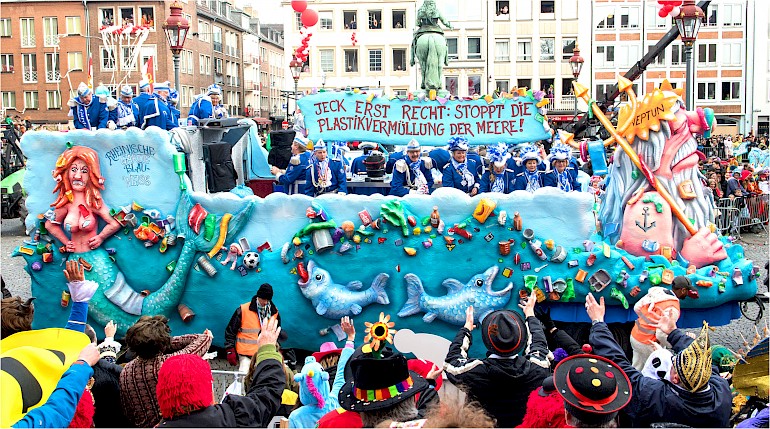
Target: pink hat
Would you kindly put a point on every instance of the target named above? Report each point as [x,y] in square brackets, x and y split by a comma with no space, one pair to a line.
[327,348]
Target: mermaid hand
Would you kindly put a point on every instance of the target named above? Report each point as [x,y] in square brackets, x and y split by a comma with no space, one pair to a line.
[95,242]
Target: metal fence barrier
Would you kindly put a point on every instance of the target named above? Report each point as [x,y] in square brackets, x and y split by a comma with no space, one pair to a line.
[740,212]
[711,151]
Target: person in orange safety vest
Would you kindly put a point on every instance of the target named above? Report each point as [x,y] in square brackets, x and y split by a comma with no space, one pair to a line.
[243,330]
[649,309]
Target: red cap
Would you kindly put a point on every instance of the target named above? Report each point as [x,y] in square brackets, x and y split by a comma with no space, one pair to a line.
[340,418]
[423,367]
[184,385]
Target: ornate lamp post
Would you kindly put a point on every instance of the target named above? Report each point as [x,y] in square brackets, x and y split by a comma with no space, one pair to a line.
[576,64]
[296,68]
[688,23]
[176,27]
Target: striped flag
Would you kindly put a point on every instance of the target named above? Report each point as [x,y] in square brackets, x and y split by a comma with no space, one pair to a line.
[148,73]
[90,71]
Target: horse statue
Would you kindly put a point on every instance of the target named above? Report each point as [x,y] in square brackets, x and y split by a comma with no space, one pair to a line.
[429,45]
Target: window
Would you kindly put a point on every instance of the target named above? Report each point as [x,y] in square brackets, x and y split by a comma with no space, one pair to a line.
[217,39]
[73,25]
[711,16]
[375,19]
[147,16]
[677,54]
[635,87]
[204,31]
[107,17]
[29,66]
[349,17]
[524,50]
[27,32]
[399,59]
[607,21]
[731,90]
[75,60]
[731,54]
[185,62]
[201,64]
[546,49]
[547,6]
[605,56]
[660,59]
[707,90]
[5,27]
[351,60]
[627,55]
[524,83]
[399,19]
[502,9]
[501,85]
[451,9]
[327,60]
[502,50]
[325,18]
[547,85]
[451,43]
[707,53]
[186,96]
[451,83]
[569,10]
[9,99]
[471,13]
[127,61]
[567,48]
[53,100]
[474,84]
[523,10]
[108,58]
[731,15]
[375,59]
[6,63]
[474,48]
[566,86]
[31,100]
[127,16]
[653,19]
[629,17]
[217,66]
[50,31]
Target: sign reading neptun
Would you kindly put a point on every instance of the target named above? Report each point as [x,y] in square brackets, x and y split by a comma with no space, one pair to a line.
[346,116]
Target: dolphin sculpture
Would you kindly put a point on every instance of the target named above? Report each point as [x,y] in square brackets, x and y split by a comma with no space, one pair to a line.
[451,307]
[334,300]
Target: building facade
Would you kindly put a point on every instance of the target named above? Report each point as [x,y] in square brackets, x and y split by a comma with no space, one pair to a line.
[272,62]
[758,76]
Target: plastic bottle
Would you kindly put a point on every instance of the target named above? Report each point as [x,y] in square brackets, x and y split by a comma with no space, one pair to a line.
[435,219]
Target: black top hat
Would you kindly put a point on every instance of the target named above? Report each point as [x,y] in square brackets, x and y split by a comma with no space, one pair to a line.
[374,384]
[504,333]
[593,388]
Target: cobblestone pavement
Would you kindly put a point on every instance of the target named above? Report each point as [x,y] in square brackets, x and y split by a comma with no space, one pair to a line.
[755,248]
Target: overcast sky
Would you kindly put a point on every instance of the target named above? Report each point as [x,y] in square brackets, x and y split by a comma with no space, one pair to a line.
[265,7]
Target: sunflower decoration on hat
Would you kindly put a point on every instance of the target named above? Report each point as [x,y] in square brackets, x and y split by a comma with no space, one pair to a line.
[377,334]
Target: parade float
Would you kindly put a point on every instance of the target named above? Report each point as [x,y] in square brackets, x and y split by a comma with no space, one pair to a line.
[123,206]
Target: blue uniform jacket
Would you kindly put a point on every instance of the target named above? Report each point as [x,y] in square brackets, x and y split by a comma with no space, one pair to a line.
[293,180]
[134,111]
[95,115]
[392,158]
[453,179]
[140,101]
[656,401]
[339,181]
[508,180]
[175,115]
[513,165]
[402,183]
[358,165]
[156,113]
[440,157]
[520,182]
[201,109]
[479,163]
[551,179]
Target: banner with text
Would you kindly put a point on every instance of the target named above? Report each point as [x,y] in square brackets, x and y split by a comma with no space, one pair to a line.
[340,116]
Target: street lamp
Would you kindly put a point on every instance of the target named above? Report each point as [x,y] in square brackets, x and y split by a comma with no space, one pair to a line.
[576,64]
[688,23]
[296,68]
[176,27]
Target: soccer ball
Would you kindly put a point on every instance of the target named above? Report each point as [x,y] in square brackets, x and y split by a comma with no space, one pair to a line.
[251,260]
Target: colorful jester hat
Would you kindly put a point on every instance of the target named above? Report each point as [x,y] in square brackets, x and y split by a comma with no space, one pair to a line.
[313,384]
[693,364]
[377,334]
[498,154]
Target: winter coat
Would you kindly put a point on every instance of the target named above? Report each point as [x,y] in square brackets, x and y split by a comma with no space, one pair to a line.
[231,331]
[59,409]
[657,401]
[106,392]
[500,385]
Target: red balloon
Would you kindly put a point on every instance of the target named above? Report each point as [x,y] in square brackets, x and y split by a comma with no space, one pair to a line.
[299,6]
[309,18]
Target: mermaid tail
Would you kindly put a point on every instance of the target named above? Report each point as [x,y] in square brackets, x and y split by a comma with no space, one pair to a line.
[163,301]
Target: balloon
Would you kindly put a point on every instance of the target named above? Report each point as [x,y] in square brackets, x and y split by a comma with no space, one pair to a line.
[299,6]
[309,18]
[675,11]
[663,12]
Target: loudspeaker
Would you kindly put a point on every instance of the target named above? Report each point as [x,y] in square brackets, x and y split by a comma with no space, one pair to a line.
[280,148]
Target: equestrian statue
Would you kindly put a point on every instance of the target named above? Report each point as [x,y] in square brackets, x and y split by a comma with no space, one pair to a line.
[429,46]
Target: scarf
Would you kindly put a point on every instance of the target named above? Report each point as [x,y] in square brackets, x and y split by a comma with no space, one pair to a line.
[563,177]
[82,114]
[125,114]
[533,182]
[220,111]
[462,168]
[420,184]
[499,184]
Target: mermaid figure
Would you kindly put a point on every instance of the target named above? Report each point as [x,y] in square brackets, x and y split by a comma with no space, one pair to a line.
[73,220]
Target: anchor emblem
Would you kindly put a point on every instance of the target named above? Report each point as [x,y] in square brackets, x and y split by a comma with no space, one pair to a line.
[646,226]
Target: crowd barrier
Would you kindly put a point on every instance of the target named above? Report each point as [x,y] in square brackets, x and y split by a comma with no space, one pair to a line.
[732,214]
[714,151]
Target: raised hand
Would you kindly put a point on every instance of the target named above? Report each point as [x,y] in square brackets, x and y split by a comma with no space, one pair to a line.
[469,319]
[74,271]
[595,309]
[528,306]
[348,328]
[110,329]
[270,331]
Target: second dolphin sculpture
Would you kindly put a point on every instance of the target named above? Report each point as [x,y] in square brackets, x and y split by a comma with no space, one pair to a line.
[334,300]
[451,307]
